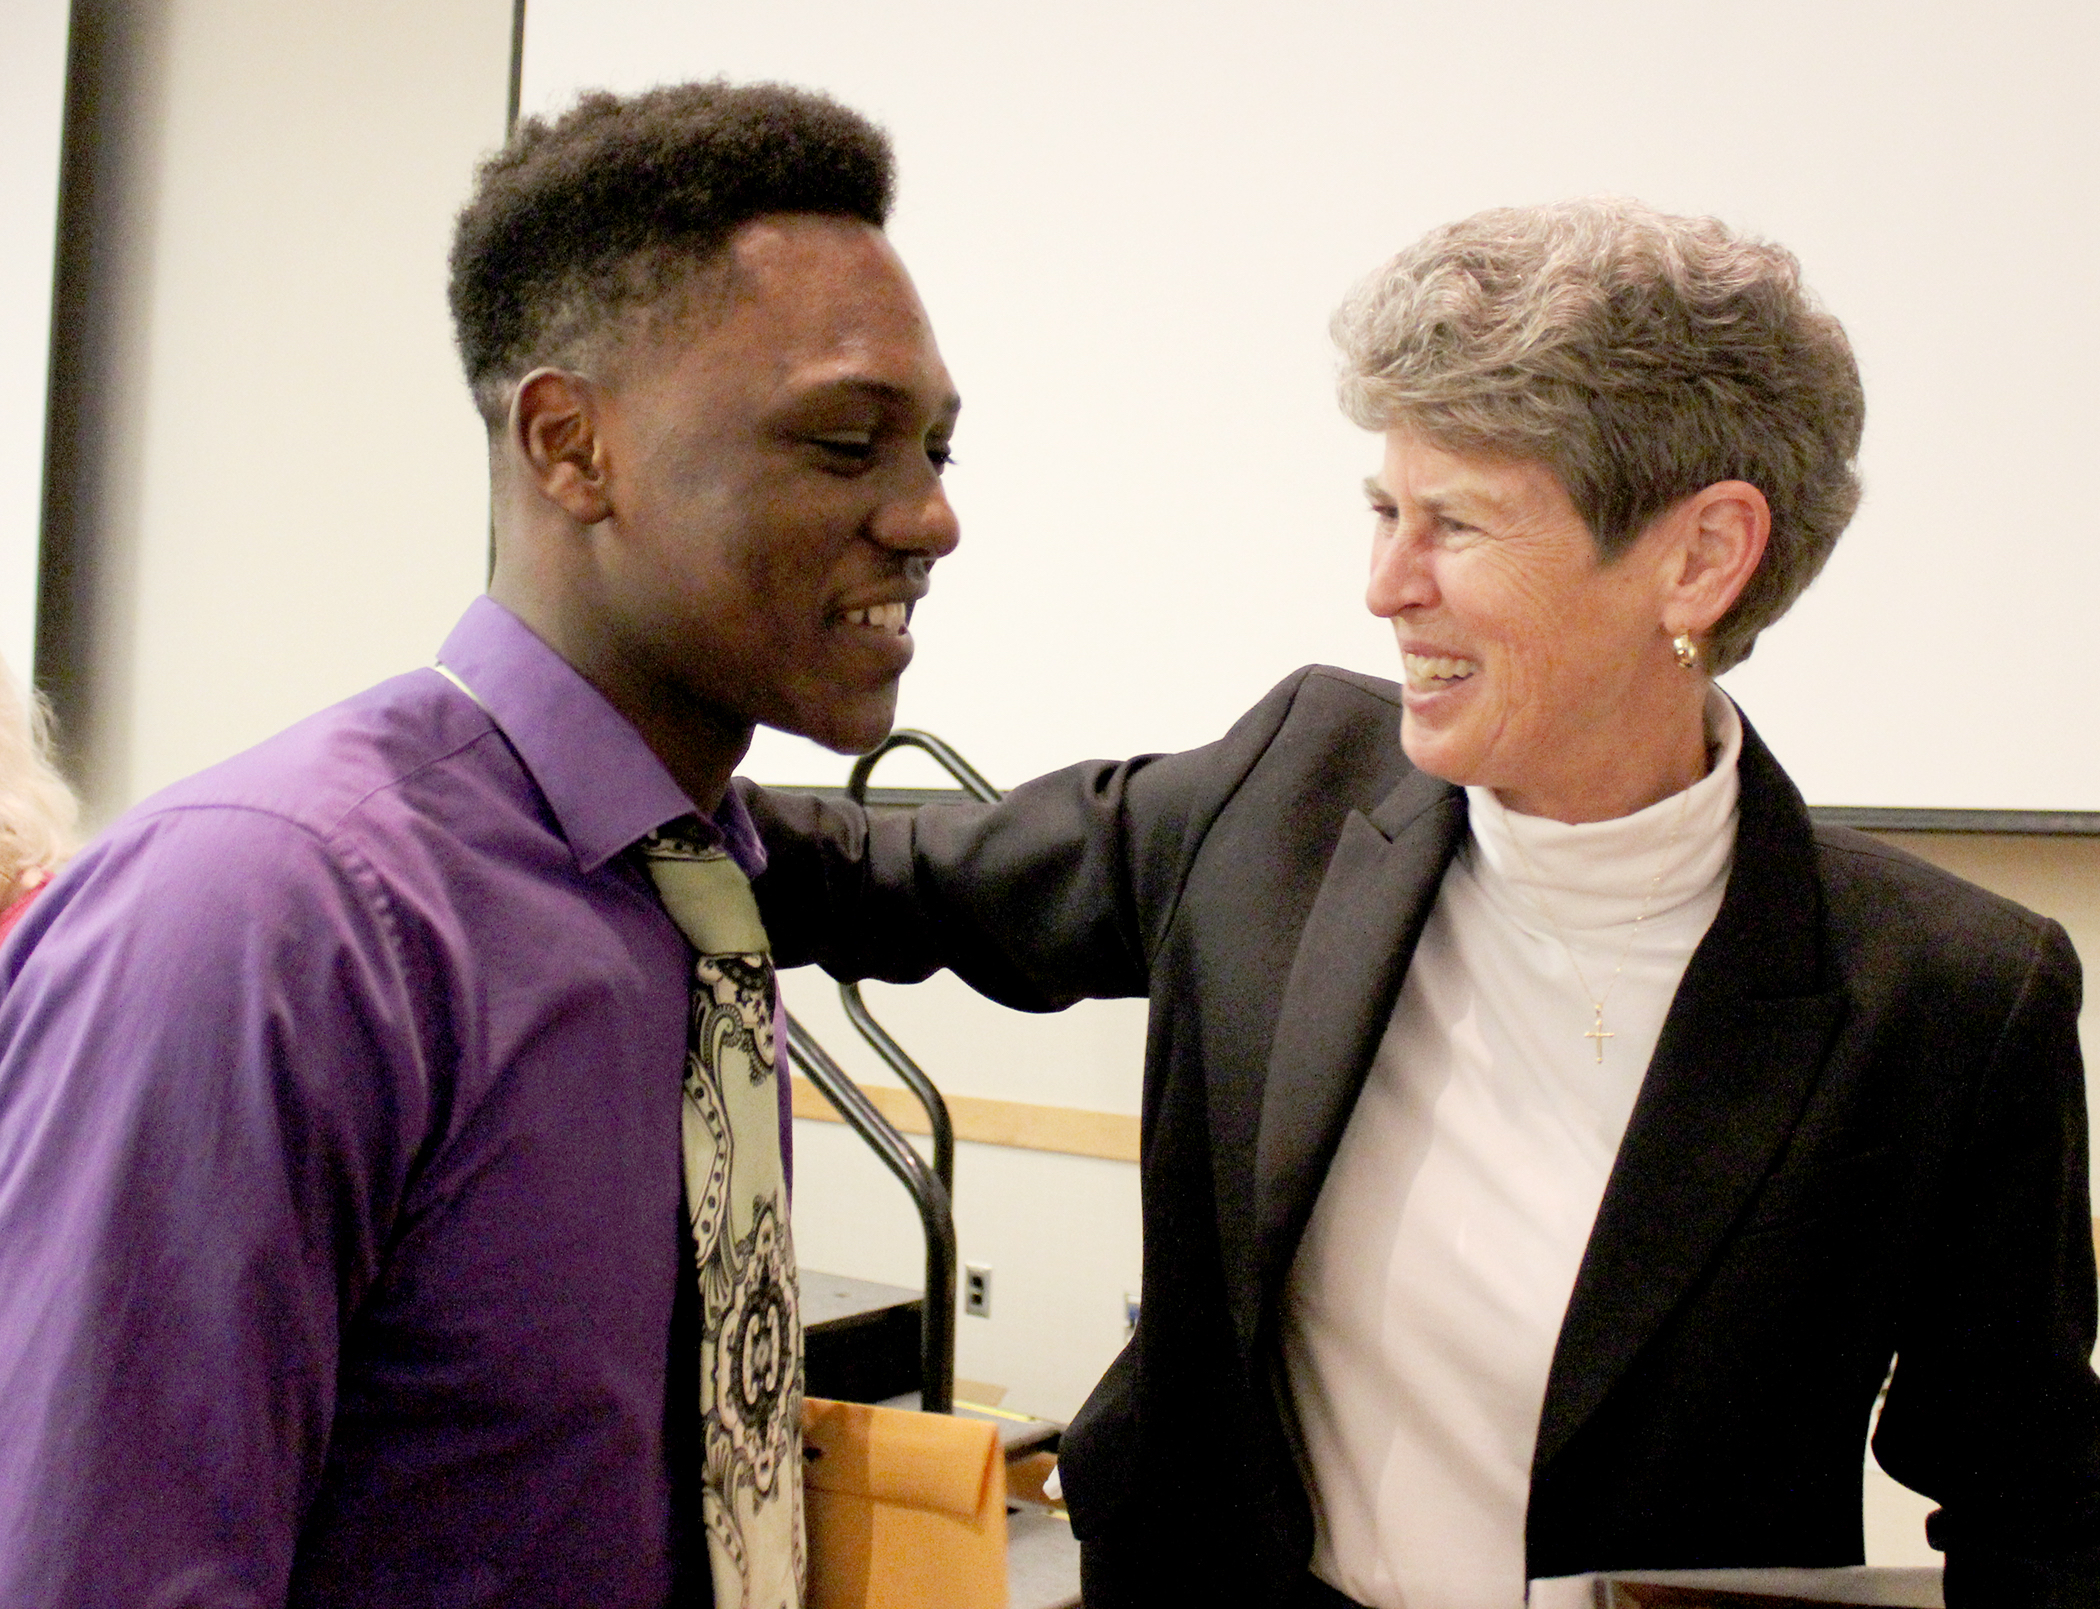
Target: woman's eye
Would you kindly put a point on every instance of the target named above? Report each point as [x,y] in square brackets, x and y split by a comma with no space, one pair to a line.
[940,455]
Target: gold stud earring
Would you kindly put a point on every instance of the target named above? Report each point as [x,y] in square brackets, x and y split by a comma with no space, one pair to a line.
[1687,650]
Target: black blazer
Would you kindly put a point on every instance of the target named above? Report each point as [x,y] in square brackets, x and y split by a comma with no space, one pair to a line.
[1862,1137]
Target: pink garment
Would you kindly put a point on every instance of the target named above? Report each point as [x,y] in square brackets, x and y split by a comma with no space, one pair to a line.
[16,911]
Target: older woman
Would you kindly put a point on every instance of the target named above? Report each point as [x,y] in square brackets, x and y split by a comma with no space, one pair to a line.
[37,810]
[1550,1136]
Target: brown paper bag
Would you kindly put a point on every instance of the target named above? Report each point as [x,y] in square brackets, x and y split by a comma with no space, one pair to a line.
[906,1510]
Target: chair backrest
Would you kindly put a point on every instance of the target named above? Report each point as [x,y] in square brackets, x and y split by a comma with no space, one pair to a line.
[906,1510]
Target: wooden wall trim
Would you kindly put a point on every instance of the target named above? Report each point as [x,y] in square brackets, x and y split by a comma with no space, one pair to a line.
[1017,1125]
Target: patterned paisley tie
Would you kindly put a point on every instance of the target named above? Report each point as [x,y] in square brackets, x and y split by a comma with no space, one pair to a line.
[751,1331]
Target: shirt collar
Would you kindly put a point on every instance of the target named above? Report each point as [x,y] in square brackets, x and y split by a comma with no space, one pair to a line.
[1607,873]
[604,784]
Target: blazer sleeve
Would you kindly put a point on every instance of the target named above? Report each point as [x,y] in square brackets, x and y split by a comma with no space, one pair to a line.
[1994,1409]
[1060,892]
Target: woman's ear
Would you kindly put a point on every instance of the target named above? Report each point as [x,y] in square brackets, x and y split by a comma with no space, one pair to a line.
[554,437]
[1723,529]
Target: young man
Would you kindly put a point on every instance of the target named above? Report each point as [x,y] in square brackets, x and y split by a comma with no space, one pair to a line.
[349,1203]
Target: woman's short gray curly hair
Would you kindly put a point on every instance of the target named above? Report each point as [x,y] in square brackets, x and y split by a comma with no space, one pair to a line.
[1638,356]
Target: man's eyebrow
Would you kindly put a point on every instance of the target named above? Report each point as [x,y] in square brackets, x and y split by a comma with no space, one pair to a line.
[881,391]
[1375,492]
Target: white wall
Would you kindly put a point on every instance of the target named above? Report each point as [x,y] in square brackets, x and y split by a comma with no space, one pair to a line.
[32,108]
[283,489]
[1131,222]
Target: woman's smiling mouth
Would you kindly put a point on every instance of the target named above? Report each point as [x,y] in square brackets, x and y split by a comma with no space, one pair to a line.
[1428,673]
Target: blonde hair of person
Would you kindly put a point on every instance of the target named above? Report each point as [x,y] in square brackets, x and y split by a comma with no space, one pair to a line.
[37,809]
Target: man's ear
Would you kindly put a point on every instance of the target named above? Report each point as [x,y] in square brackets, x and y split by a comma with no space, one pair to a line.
[1723,529]
[554,436]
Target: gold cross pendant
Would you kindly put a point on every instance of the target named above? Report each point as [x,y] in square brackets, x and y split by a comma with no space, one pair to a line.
[1600,1033]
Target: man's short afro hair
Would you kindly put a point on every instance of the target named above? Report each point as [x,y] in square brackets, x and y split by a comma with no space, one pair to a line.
[583,218]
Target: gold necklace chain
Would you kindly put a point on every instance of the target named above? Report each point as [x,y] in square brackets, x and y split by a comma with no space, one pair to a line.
[1597,1033]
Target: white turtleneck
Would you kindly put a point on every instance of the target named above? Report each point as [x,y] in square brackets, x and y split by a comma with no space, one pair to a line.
[1427,1294]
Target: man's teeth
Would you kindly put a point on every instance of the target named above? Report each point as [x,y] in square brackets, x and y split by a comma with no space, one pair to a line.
[1424,672]
[882,616]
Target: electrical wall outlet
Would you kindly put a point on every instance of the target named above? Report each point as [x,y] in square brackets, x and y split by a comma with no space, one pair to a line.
[1130,1315]
[977,1289]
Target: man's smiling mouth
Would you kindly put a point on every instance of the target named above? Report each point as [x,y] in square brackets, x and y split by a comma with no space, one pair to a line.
[1427,673]
[889,617]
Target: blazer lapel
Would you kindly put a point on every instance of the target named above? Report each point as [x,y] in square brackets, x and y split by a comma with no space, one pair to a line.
[1743,1046]
[1352,955]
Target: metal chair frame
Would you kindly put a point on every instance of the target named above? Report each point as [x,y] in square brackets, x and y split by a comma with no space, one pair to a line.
[932,1189]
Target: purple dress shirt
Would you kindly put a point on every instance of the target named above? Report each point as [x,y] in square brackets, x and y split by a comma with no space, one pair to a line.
[339,1168]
